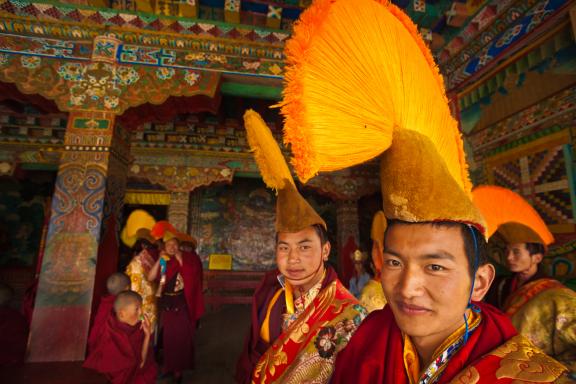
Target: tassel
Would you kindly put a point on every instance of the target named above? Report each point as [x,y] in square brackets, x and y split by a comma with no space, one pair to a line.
[269,158]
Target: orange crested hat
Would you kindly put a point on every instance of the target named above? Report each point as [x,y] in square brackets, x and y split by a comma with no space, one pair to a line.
[293,212]
[348,100]
[511,215]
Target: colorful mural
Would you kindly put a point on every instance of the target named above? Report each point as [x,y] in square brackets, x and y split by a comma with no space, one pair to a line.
[238,219]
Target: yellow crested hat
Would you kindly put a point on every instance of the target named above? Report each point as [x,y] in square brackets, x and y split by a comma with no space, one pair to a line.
[349,99]
[293,212]
[138,226]
[509,214]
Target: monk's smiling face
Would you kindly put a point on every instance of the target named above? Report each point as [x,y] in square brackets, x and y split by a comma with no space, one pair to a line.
[426,279]
[300,257]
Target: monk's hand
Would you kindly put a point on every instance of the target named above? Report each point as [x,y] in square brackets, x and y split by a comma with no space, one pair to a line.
[146,327]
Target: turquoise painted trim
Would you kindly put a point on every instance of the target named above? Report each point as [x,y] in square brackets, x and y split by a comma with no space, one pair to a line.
[571,173]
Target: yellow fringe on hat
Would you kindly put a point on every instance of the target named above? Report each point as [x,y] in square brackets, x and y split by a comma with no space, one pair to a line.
[506,211]
[266,151]
[357,71]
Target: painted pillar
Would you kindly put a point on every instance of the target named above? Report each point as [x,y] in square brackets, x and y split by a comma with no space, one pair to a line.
[178,210]
[82,233]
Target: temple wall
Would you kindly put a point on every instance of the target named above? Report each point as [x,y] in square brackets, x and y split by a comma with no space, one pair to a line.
[519,128]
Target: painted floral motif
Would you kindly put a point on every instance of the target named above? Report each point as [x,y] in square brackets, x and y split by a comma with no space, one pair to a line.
[4,59]
[164,73]
[509,36]
[127,75]
[30,62]
[191,77]
[111,102]
[70,71]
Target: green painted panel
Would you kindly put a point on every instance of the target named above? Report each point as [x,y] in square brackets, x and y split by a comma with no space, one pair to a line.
[252,90]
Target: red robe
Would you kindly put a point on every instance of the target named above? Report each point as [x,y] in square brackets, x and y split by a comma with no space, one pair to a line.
[178,316]
[13,336]
[375,353]
[118,353]
[105,310]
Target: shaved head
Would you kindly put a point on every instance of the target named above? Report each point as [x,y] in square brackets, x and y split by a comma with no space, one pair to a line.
[117,282]
[125,299]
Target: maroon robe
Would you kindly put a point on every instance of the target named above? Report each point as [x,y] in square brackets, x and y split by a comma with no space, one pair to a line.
[254,346]
[105,310]
[180,312]
[13,336]
[118,353]
[375,352]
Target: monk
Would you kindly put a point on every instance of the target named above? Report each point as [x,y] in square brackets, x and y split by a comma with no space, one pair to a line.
[540,307]
[181,305]
[432,274]
[302,315]
[116,283]
[143,255]
[372,295]
[123,352]
[13,330]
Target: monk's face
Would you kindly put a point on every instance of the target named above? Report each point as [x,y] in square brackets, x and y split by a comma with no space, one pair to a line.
[426,279]
[300,257]
[131,313]
[519,260]
[171,247]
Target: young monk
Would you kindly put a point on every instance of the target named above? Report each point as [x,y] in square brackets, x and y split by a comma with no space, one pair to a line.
[349,100]
[302,315]
[116,283]
[123,352]
[372,296]
[540,307]
[180,305]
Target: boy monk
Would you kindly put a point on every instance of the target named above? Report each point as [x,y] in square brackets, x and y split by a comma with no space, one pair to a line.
[122,352]
[116,283]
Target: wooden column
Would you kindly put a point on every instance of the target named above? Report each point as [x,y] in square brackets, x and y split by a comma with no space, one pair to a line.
[83,230]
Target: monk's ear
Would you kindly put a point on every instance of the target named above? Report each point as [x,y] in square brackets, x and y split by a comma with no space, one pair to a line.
[377,255]
[484,277]
[538,258]
[326,251]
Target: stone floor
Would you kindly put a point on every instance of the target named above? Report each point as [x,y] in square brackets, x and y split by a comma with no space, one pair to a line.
[219,341]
